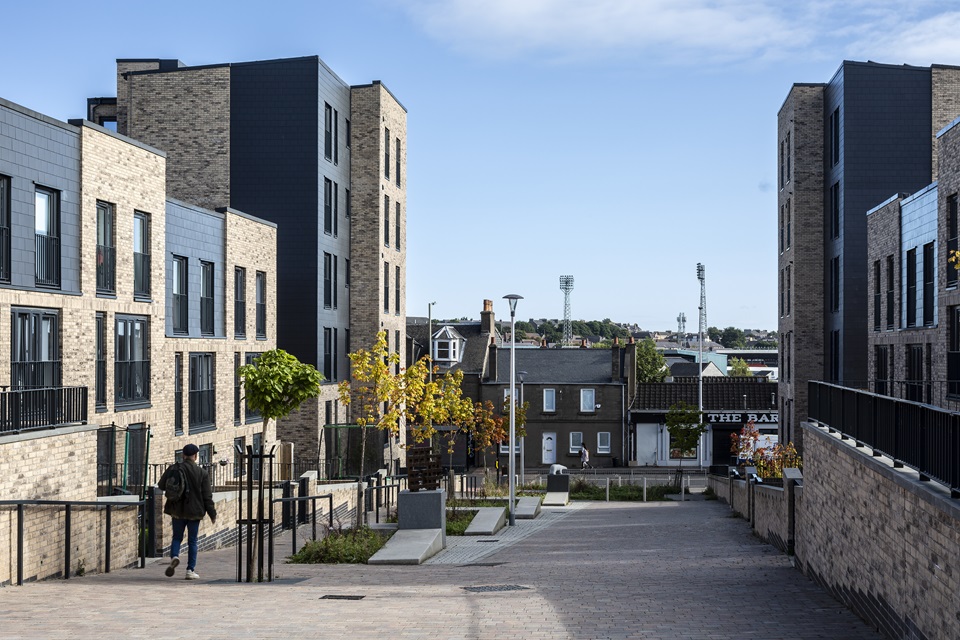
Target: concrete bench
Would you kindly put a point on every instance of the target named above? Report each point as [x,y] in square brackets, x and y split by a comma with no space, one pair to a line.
[528,508]
[409,546]
[487,522]
[556,499]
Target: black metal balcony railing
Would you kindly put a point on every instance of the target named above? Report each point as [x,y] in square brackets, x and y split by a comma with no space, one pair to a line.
[206,316]
[141,274]
[132,380]
[101,389]
[178,412]
[261,320]
[202,407]
[35,375]
[106,269]
[180,313]
[922,437]
[4,254]
[240,317]
[950,270]
[47,260]
[28,409]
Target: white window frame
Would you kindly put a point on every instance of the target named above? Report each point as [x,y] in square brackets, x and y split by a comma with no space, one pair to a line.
[576,441]
[549,400]
[601,448]
[588,407]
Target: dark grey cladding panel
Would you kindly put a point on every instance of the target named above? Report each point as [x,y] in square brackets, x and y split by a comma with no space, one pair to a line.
[277,167]
[37,151]
[196,234]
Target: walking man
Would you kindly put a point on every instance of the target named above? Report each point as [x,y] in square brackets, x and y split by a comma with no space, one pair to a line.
[195,500]
[584,457]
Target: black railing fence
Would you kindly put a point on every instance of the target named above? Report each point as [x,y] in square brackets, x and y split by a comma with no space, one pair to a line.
[47,260]
[912,434]
[28,409]
[106,268]
[141,274]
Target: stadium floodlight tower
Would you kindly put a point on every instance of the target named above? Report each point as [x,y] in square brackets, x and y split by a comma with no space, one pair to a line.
[566,285]
[702,277]
[681,327]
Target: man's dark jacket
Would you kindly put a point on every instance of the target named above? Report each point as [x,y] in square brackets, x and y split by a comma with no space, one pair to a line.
[195,503]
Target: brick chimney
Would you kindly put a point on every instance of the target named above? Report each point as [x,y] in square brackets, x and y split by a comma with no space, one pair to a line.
[492,359]
[487,319]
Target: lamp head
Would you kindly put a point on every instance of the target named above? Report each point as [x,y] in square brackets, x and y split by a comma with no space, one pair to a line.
[512,299]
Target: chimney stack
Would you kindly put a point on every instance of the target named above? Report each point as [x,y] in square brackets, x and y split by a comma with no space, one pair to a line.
[487,320]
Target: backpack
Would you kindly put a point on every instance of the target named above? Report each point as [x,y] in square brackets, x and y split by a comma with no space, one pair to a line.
[176,488]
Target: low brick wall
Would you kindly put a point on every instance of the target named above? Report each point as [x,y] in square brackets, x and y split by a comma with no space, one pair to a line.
[878,539]
[770,516]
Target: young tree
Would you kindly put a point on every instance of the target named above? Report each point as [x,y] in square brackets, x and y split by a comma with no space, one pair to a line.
[276,383]
[739,368]
[685,425]
[651,365]
[488,428]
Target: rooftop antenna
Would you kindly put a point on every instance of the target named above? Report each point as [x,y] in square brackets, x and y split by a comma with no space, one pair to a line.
[566,285]
[681,326]
[702,277]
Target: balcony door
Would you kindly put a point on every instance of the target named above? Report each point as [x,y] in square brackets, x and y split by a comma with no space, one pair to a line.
[35,355]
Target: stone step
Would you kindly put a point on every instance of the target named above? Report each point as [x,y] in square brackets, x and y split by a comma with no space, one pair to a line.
[409,546]
[487,522]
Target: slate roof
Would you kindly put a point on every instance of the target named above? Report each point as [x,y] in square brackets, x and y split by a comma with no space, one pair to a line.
[719,394]
[557,366]
[474,351]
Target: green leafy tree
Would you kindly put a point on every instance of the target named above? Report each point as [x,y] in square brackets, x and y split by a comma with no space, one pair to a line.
[732,338]
[714,334]
[739,368]
[276,383]
[685,424]
[651,365]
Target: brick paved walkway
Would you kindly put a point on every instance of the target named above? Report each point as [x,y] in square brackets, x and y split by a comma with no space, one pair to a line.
[618,570]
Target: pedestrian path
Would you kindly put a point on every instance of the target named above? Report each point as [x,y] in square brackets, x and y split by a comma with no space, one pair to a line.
[658,571]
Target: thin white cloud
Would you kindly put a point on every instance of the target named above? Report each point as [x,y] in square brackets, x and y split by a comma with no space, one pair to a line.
[703,32]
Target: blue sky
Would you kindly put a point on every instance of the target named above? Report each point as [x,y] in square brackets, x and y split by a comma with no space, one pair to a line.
[618,141]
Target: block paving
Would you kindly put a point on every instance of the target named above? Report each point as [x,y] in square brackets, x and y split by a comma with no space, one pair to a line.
[593,570]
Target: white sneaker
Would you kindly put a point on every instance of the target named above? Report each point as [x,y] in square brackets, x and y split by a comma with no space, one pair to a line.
[192,575]
[174,561]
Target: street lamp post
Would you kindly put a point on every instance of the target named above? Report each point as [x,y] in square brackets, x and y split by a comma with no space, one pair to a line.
[523,455]
[512,300]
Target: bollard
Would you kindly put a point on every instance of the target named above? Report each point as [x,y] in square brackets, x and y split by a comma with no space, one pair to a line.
[644,488]
[608,489]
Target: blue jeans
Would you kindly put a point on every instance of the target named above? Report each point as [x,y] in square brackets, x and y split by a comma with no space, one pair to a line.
[193,544]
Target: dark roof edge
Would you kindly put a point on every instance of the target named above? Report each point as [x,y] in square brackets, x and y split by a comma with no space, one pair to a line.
[13,106]
[251,218]
[119,136]
[385,88]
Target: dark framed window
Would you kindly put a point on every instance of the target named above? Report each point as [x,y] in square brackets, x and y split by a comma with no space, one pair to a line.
[911,288]
[336,210]
[346,124]
[386,153]
[929,285]
[876,295]
[206,298]
[239,302]
[239,447]
[202,390]
[336,137]
[396,291]
[882,382]
[178,394]
[132,360]
[835,283]
[328,206]
[328,353]
[788,156]
[106,250]
[261,304]
[100,388]
[327,131]
[386,221]
[788,223]
[327,280]
[141,254]
[782,273]
[251,415]
[396,226]
[346,272]
[782,166]
[335,281]
[346,203]
[396,342]
[47,237]
[386,287]
[891,286]
[236,388]
[835,356]
[781,230]
[35,349]
[4,229]
[789,284]
[835,137]
[181,304]
[914,372]
[953,354]
[950,269]
[835,209]
[397,169]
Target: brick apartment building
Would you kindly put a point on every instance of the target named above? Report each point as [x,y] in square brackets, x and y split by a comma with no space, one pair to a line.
[101,378]
[844,147]
[325,161]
